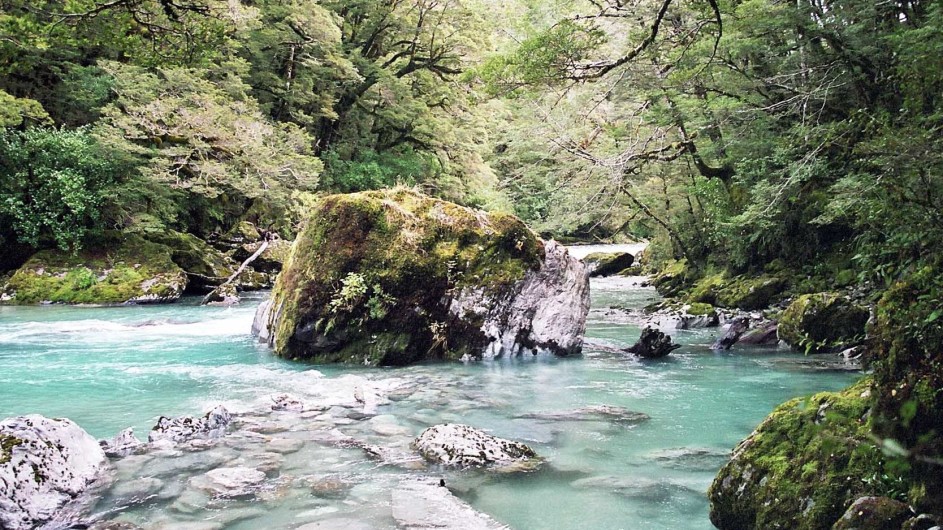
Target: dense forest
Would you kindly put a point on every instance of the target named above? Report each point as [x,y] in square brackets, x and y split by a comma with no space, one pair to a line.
[799,143]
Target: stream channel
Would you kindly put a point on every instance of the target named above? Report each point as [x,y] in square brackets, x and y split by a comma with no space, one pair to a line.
[111,368]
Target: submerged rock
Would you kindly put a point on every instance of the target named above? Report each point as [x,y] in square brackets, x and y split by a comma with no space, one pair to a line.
[653,344]
[44,464]
[591,413]
[230,481]
[422,504]
[185,428]
[394,277]
[823,322]
[608,263]
[463,446]
[117,269]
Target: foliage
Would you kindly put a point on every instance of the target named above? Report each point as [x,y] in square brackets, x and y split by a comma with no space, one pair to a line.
[54,183]
[201,136]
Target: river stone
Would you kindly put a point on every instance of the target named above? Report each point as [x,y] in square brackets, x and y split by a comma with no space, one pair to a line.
[463,446]
[287,402]
[340,523]
[421,504]
[732,333]
[763,334]
[122,445]
[136,490]
[185,428]
[395,277]
[230,481]
[44,464]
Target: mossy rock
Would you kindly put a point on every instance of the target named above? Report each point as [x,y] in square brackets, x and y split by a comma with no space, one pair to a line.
[205,266]
[672,278]
[243,232]
[749,292]
[705,290]
[802,467]
[822,322]
[906,355]
[379,277]
[609,263]
[115,269]
[874,513]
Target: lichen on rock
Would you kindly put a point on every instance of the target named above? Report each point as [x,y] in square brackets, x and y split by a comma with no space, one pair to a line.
[393,277]
[44,464]
[115,269]
[463,446]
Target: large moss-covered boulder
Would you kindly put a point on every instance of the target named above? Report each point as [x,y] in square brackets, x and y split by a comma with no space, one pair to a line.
[393,277]
[822,322]
[802,467]
[115,269]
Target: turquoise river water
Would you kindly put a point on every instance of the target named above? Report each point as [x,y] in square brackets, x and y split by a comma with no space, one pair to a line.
[111,368]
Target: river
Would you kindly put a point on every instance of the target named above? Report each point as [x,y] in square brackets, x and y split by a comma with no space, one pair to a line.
[110,368]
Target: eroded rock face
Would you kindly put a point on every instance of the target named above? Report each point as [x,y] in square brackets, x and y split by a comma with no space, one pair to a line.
[463,446]
[394,277]
[44,464]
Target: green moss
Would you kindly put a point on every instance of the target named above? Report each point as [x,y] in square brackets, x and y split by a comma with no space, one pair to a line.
[907,359]
[7,443]
[822,322]
[698,309]
[672,278]
[395,240]
[112,270]
[749,292]
[196,257]
[802,466]
[705,290]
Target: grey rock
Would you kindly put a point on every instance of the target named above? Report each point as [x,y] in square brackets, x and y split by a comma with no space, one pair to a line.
[122,445]
[185,428]
[463,446]
[44,464]
[732,333]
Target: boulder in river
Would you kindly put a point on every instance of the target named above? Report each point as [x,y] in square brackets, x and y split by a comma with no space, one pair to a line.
[116,269]
[653,344]
[874,513]
[44,464]
[608,263]
[463,446]
[802,467]
[394,277]
[765,333]
[184,428]
[823,322]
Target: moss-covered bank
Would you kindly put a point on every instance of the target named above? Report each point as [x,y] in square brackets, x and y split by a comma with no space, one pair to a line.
[112,269]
